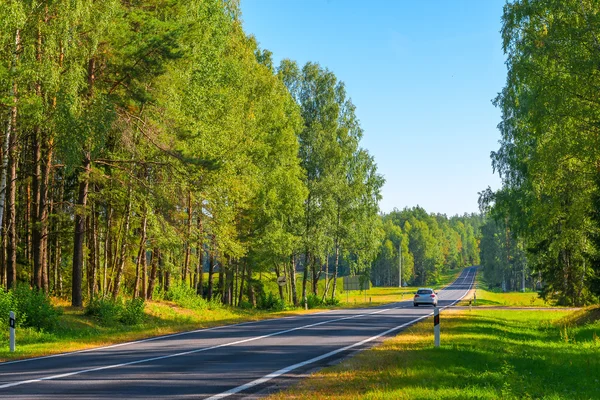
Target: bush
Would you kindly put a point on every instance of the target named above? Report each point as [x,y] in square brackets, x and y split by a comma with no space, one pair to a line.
[332,302]
[270,302]
[7,304]
[33,309]
[133,311]
[108,311]
[186,297]
[313,301]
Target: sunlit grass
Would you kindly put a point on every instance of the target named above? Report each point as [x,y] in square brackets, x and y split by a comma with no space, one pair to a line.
[485,354]
[481,296]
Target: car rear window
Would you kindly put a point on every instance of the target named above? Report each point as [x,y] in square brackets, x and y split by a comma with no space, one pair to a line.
[424,291]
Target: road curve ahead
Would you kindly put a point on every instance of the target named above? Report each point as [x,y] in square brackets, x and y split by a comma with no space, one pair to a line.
[224,362]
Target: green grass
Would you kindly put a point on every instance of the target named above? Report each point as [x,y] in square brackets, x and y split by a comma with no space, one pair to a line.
[486,297]
[485,354]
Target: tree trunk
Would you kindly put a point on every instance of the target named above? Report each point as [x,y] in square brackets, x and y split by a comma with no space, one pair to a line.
[140,265]
[251,291]
[107,251]
[293,280]
[200,253]
[241,289]
[211,268]
[11,170]
[335,270]
[151,280]
[221,282]
[280,287]
[123,254]
[77,298]
[188,247]
[305,280]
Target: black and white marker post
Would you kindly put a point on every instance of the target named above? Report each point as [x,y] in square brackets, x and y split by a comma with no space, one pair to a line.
[436,326]
[11,323]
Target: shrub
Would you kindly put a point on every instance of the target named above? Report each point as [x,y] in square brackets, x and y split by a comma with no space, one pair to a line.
[270,302]
[313,301]
[332,302]
[7,304]
[106,310]
[185,296]
[33,309]
[132,312]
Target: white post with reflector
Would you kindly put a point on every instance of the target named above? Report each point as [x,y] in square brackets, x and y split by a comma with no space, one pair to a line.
[436,326]
[11,324]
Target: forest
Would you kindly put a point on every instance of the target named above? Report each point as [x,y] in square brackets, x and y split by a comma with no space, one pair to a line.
[145,142]
[543,225]
[430,244]
[148,144]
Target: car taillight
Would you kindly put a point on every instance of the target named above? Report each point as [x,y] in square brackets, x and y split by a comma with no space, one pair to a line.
[432,296]
[416,295]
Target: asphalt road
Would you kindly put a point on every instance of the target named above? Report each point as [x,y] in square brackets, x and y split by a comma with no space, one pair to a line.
[229,361]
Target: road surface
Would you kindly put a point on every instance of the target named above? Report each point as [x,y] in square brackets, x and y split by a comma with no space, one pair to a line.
[224,362]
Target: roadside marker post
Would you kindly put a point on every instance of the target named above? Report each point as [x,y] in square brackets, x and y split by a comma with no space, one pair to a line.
[436,326]
[11,323]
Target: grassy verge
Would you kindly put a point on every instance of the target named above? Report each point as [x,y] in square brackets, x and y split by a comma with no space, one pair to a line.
[486,297]
[485,354]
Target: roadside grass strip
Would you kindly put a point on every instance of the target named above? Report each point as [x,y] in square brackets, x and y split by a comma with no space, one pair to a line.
[484,354]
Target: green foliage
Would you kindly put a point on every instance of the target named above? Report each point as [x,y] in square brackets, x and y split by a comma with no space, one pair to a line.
[109,311]
[106,310]
[430,243]
[133,311]
[549,152]
[7,304]
[33,309]
[186,297]
[270,302]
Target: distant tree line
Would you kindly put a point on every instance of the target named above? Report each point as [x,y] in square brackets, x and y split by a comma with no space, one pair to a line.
[545,220]
[430,244]
[145,142]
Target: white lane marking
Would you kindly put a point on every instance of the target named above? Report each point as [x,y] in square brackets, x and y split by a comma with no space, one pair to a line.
[162,337]
[290,368]
[285,370]
[175,335]
[53,377]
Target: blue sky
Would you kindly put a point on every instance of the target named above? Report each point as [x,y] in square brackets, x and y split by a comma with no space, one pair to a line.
[422,75]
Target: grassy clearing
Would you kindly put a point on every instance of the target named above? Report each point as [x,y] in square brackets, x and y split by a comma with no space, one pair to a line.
[485,354]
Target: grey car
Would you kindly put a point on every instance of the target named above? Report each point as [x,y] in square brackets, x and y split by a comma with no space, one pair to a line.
[426,296]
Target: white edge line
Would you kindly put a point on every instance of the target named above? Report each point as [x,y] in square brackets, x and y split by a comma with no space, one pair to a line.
[285,370]
[53,377]
[290,368]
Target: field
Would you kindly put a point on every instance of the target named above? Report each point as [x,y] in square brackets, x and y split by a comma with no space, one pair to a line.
[485,354]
